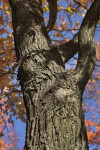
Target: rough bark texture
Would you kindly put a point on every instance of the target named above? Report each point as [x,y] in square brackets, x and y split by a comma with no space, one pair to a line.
[52,96]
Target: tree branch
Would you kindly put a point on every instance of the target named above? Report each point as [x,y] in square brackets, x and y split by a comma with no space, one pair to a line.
[69,49]
[11,3]
[79,4]
[52,14]
[87,57]
[10,70]
[7,94]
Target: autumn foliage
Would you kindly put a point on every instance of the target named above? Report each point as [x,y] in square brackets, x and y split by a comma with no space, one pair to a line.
[69,18]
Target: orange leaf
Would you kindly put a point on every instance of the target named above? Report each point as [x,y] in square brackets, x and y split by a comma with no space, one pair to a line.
[58,34]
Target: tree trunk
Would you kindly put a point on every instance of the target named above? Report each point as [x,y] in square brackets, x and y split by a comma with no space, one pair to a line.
[56,120]
[52,96]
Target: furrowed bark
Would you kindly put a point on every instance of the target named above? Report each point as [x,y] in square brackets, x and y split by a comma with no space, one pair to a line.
[52,96]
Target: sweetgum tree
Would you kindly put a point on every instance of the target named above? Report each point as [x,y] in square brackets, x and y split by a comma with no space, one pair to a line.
[53,96]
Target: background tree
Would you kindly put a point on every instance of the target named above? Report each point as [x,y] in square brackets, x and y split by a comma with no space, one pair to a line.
[66,54]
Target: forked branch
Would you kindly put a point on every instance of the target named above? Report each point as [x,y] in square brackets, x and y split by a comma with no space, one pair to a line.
[87,56]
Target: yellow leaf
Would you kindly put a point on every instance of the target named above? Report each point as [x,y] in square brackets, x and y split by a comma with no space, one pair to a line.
[64,23]
[43,1]
[98,78]
[69,10]
[64,26]
[82,14]
[46,8]
[45,19]
[91,80]
[10,83]
[0,7]
[65,40]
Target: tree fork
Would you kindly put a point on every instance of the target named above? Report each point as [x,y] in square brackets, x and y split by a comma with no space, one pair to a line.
[52,96]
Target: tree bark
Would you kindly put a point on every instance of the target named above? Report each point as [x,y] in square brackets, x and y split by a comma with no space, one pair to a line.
[52,96]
